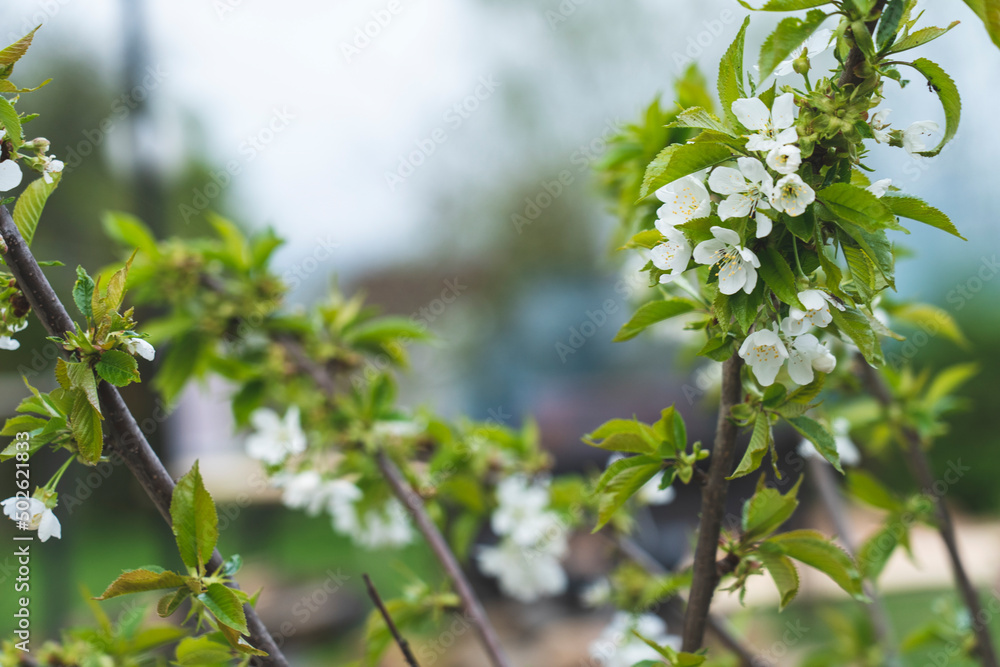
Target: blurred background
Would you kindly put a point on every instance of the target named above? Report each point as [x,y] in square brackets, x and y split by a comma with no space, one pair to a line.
[437,154]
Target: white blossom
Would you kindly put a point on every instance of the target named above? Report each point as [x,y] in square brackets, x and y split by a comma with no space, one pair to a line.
[309,491]
[765,353]
[35,514]
[617,646]
[274,438]
[880,187]
[10,175]
[672,255]
[792,195]
[523,513]
[914,135]
[737,265]
[773,127]
[50,166]
[385,527]
[683,200]
[651,494]
[785,159]
[819,42]
[8,343]
[848,451]
[817,313]
[596,594]
[140,347]
[880,125]
[806,353]
[525,573]
[748,187]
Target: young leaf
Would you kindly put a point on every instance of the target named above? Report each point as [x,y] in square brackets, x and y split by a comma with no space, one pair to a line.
[16,51]
[920,37]
[83,292]
[85,425]
[757,448]
[195,520]
[856,327]
[767,510]
[225,606]
[815,550]
[778,275]
[679,160]
[919,210]
[989,12]
[867,489]
[12,123]
[877,549]
[169,603]
[139,581]
[786,38]
[624,435]
[730,82]
[782,571]
[130,231]
[701,119]
[118,368]
[622,483]
[947,92]
[202,651]
[29,206]
[814,432]
[81,377]
[857,205]
[651,313]
[888,24]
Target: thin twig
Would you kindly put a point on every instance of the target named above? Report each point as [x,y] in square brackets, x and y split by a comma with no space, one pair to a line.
[821,471]
[856,56]
[130,442]
[414,504]
[404,645]
[717,625]
[713,506]
[921,466]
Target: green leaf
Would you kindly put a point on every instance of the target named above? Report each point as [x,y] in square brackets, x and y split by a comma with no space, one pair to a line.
[169,603]
[947,92]
[202,651]
[757,448]
[989,12]
[876,245]
[863,486]
[855,326]
[767,510]
[680,160]
[782,571]
[814,432]
[813,549]
[118,368]
[179,364]
[624,435]
[12,123]
[651,313]
[81,377]
[623,484]
[932,319]
[140,581]
[863,272]
[916,209]
[16,51]
[701,119]
[29,206]
[236,252]
[888,24]
[778,275]
[85,425]
[225,606]
[83,292]
[130,231]
[195,520]
[948,380]
[786,38]
[877,549]
[785,5]
[730,82]
[857,205]
[920,37]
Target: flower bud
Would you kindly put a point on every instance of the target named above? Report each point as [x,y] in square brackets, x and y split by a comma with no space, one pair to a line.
[801,64]
[40,144]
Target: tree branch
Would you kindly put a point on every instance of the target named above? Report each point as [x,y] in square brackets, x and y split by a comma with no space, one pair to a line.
[414,504]
[921,466]
[718,626]
[404,645]
[713,506]
[856,56]
[129,441]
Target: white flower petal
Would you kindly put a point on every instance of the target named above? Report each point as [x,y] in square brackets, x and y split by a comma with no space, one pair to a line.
[727,236]
[783,111]
[10,175]
[709,252]
[752,169]
[727,181]
[764,225]
[752,113]
[735,206]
